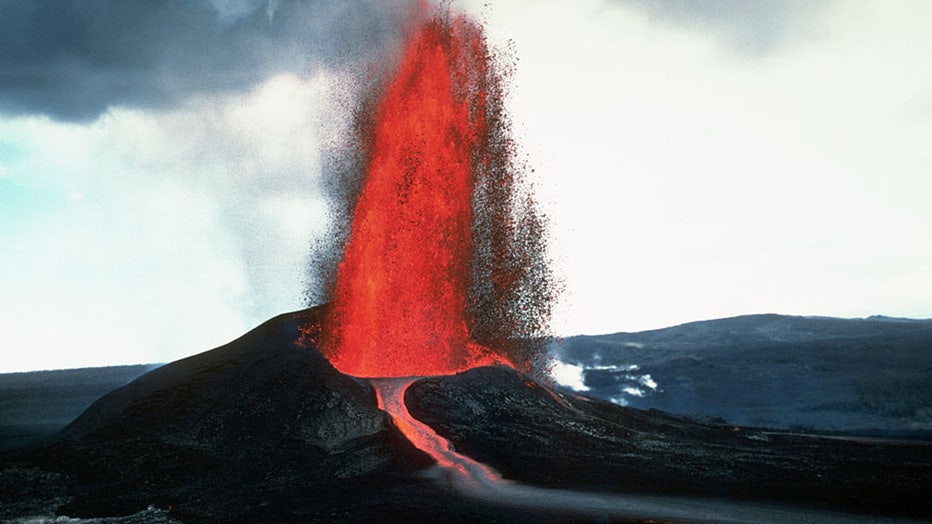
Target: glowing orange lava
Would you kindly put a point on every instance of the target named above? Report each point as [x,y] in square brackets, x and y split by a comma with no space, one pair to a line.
[467,473]
[399,304]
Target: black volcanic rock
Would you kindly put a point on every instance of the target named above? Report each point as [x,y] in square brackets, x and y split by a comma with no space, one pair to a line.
[238,428]
[264,429]
[533,434]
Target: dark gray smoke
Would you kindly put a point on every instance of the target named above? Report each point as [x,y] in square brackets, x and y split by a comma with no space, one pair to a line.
[72,60]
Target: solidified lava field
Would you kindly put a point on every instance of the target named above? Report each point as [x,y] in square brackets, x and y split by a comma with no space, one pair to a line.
[263,429]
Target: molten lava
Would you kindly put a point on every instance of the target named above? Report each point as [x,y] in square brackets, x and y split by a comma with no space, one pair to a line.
[468,474]
[401,300]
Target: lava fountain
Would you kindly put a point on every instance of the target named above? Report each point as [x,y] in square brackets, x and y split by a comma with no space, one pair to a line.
[443,269]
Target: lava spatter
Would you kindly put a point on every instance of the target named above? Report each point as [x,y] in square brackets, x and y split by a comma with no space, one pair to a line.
[421,268]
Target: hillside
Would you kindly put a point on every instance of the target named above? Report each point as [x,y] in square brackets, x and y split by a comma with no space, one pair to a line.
[862,376]
[266,429]
[38,403]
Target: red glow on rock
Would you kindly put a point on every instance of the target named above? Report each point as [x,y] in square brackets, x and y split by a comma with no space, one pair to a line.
[399,303]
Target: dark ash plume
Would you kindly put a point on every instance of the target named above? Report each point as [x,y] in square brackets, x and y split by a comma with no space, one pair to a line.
[74,60]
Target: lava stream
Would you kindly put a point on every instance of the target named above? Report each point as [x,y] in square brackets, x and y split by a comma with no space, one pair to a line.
[481,482]
[465,474]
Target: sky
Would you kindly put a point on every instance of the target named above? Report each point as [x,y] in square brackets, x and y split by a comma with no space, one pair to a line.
[163,165]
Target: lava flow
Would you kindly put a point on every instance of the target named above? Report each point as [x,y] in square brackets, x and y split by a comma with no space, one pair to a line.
[466,474]
[481,482]
[438,265]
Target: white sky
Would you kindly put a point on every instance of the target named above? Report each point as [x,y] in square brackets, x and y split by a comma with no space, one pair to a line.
[690,178]
[689,171]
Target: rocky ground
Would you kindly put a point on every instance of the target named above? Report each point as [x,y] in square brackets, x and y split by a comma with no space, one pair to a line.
[229,430]
[533,434]
[265,429]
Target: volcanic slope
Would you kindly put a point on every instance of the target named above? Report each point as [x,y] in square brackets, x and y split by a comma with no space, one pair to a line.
[533,434]
[868,377]
[37,404]
[229,434]
[265,429]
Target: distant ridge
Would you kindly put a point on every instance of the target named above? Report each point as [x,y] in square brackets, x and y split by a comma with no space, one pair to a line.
[115,369]
[749,320]
[884,318]
[34,404]
[866,376]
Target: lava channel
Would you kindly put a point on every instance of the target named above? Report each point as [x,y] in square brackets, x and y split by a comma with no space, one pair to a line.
[481,482]
[464,474]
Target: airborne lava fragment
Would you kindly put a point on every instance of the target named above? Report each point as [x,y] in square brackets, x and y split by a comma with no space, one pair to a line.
[444,267]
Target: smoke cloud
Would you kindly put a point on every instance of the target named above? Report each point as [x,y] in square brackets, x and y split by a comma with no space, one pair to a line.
[161,166]
[74,60]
